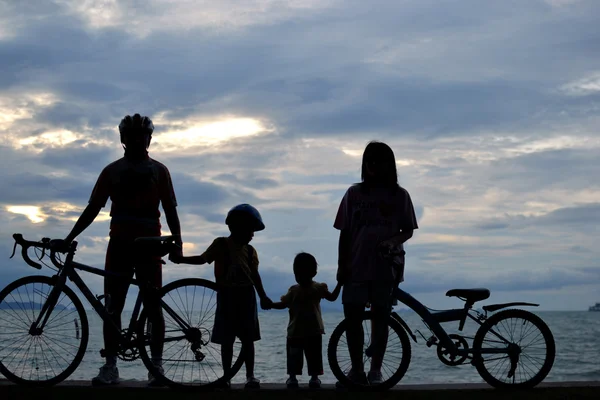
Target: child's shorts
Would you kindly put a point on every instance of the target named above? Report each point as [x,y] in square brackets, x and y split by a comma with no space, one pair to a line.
[236,315]
[310,347]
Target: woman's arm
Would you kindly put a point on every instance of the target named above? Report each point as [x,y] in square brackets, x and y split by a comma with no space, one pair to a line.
[343,271]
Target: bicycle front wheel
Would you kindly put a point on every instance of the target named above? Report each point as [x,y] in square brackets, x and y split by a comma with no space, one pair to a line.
[523,345]
[396,358]
[40,357]
[189,358]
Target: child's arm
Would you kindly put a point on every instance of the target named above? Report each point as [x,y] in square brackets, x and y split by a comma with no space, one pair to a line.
[333,295]
[194,260]
[264,299]
[280,305]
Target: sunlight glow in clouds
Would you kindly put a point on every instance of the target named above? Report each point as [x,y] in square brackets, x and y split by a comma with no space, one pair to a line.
[49,139]
[33,213]
[214,16]
[14,108]
[57,210]
[212,133]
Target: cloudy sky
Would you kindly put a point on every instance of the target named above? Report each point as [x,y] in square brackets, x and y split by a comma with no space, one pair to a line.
[490,107]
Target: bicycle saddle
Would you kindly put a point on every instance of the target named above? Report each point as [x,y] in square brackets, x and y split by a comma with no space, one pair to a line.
[469,294]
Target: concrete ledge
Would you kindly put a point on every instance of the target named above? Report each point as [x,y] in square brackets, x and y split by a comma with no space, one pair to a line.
[131,389]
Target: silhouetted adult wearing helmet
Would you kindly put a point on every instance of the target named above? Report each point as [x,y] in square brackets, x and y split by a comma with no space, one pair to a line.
[136,185]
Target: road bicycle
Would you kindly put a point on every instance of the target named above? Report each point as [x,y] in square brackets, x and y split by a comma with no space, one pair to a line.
[501,358]
[44,328]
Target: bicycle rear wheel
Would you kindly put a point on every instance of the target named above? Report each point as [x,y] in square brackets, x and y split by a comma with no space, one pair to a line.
[189,358]
[40,357]
[395,361]
[534,348]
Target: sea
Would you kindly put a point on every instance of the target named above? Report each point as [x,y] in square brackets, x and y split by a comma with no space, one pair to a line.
[576,334]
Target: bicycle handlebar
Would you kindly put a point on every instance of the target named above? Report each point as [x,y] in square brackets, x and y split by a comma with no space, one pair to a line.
[157,246]
[45,244]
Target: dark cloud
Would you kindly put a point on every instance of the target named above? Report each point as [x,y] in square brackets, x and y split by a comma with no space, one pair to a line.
[577,218]
[569,168]
[189,190]
[248,181]
[25,188]
[77,158]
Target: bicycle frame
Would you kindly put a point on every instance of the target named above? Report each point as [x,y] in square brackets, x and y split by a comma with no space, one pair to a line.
[68,271]
[434,319]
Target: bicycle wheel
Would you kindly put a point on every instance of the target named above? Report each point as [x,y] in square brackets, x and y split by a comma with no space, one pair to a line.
[395,361]
[533,355]
[189,358]
[49,356]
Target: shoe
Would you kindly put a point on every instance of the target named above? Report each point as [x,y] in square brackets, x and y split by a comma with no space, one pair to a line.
[153,381]
[292,383]
[226,385]
[375,378]
[108,375]
[252,383]
[358,378]
[314,383]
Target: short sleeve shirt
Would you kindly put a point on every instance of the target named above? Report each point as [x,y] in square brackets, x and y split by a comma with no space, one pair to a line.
[304,304]
[233,260]
[371,217]
[136,191]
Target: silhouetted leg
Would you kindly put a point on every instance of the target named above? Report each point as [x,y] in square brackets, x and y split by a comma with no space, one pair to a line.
[355,335]
[151,274]
[313,346]
[249,357]
[115,292]
[294,356]
[379,336]
[227,354]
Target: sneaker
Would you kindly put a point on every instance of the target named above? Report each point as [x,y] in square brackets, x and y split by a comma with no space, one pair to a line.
[375,378]
[314,383]
[226,385]
[292,383]
[108,375]
[252,383]
[153,381]
[358,378]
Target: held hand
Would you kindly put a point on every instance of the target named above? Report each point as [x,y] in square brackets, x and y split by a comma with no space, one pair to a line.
[176,256]
[266,303]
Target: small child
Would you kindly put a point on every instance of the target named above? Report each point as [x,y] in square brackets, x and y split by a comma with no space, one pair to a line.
[305,328]
[236,272]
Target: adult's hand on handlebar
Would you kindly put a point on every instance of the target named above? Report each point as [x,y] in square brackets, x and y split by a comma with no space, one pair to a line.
[176,255]
[60,245]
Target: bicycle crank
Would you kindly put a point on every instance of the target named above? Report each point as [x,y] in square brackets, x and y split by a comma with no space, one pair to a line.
[453,359]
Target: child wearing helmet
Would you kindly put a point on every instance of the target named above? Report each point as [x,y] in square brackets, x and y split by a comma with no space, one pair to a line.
[305,327]
[236,273]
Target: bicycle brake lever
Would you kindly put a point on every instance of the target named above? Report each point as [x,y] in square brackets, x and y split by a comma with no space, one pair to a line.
[14,249]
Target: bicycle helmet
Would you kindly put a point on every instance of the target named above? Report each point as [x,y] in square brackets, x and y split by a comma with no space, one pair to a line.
[245,214]
[135,125]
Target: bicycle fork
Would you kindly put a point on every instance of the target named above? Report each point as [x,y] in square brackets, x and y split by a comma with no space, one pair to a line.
[37,326]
